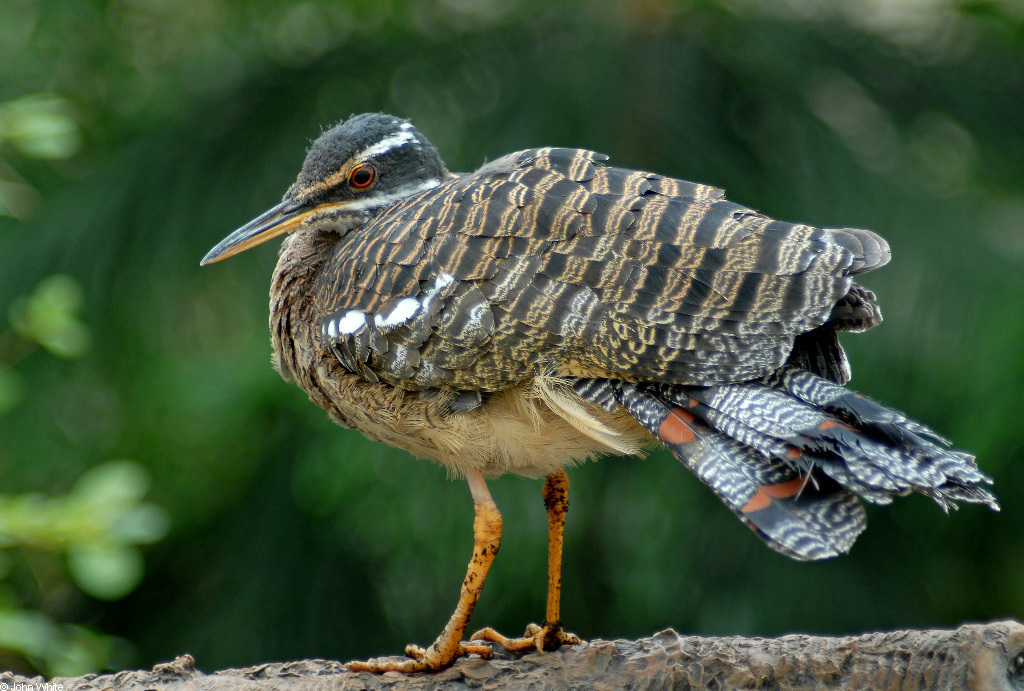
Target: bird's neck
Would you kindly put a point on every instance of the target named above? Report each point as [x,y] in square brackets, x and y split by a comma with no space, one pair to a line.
[293,322]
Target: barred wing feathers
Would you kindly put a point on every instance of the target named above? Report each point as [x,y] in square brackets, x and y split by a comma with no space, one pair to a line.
[549,259]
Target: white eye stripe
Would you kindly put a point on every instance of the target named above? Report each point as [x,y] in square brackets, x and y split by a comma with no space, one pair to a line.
[389,199]
[384,145]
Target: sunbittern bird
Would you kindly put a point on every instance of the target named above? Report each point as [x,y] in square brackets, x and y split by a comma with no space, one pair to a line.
[549,308]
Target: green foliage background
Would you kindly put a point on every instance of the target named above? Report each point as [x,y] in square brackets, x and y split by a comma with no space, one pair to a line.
[290,538]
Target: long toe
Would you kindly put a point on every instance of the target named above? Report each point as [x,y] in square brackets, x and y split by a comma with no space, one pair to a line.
[544,639]
[423,659]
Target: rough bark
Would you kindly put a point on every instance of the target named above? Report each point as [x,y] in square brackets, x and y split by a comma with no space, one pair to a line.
[975,656]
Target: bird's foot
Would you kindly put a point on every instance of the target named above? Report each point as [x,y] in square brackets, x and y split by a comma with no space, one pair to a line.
[545,638]
[429,659]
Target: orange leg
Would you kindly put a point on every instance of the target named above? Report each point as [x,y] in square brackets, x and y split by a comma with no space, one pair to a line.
[551,636]
[449,646]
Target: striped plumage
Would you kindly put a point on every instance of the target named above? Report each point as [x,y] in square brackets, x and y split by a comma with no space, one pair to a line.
[548,307]
[564,264]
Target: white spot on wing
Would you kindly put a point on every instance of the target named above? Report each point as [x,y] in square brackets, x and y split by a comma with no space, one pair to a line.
[430,294]
[332,329]
[399,314]
[476,316]
[351,322]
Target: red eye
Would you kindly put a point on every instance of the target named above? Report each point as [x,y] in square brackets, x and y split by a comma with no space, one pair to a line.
[362,176]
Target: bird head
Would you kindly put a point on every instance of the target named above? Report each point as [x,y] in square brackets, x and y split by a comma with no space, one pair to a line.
[352,172]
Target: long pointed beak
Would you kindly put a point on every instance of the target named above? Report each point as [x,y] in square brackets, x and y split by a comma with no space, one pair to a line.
[281,219]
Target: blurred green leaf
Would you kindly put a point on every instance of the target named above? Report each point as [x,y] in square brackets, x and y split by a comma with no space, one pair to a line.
[103,508]
[141,525]
[40,126]
[78,651]
[59,293]
[26,519]
[97,524]
[64,650]
[107,572]
[48,316]
[111,487]
[26,631]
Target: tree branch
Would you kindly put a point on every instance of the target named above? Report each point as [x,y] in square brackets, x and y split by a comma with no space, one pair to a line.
[974,656]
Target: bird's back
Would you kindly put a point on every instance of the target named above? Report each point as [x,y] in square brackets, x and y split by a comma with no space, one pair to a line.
[550,260]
